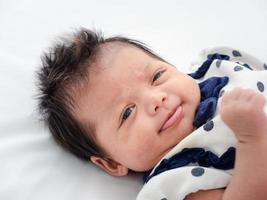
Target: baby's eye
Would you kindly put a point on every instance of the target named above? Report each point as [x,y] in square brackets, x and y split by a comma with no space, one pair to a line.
[127,113]
[157,75]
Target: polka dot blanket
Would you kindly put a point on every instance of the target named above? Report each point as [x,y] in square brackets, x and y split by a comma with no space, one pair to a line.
[212,141]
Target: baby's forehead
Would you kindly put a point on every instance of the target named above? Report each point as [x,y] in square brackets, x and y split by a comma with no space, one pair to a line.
[119,53]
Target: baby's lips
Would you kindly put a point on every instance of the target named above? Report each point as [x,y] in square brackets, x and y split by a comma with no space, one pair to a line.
[174,117]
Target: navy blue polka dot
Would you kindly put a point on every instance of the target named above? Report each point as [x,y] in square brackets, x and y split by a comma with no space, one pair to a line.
[260,86]
[265,66]
[197,171]
[236,53]
[208,126]
[238,68]
[221,93]
[247,66]
[218,63]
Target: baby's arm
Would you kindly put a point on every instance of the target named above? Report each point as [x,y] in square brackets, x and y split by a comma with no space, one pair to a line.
[242,110]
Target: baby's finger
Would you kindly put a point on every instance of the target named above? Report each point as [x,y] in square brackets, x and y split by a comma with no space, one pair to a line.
[258,99]
[248,94]
[231,95]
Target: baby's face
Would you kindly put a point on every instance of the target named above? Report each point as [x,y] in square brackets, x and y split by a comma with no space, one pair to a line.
[130,99]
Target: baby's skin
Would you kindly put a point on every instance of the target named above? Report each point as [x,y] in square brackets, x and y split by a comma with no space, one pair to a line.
[242,110]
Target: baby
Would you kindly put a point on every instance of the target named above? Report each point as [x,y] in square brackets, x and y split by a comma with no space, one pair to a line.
[116,103]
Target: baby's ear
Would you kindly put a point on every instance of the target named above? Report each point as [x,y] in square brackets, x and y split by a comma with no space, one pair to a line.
[110,166]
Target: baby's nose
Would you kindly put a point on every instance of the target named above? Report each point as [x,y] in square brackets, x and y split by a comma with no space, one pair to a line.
[159,103]
[155,102]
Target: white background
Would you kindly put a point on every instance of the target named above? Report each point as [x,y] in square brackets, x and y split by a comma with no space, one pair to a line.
[32,166]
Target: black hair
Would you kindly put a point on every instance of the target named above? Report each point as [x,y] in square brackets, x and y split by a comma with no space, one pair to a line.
[64,67]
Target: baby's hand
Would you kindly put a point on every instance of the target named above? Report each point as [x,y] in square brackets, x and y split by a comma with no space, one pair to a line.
[242,110]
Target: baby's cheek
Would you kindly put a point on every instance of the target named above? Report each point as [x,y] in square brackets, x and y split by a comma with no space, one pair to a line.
[146,149]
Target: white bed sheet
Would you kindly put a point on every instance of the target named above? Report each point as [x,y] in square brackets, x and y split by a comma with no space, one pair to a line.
[32,166]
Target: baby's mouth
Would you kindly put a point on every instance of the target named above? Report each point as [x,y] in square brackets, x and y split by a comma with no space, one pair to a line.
[172,118]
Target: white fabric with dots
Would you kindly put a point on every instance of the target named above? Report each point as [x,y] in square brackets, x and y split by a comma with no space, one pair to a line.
[175,184]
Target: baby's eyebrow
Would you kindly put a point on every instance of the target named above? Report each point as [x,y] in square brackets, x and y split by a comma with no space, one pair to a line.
[116,105]
[147,67]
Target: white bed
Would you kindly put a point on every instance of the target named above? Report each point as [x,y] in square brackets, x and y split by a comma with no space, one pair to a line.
[32,166]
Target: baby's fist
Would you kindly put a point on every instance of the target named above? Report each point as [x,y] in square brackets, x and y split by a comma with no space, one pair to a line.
[242,110]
